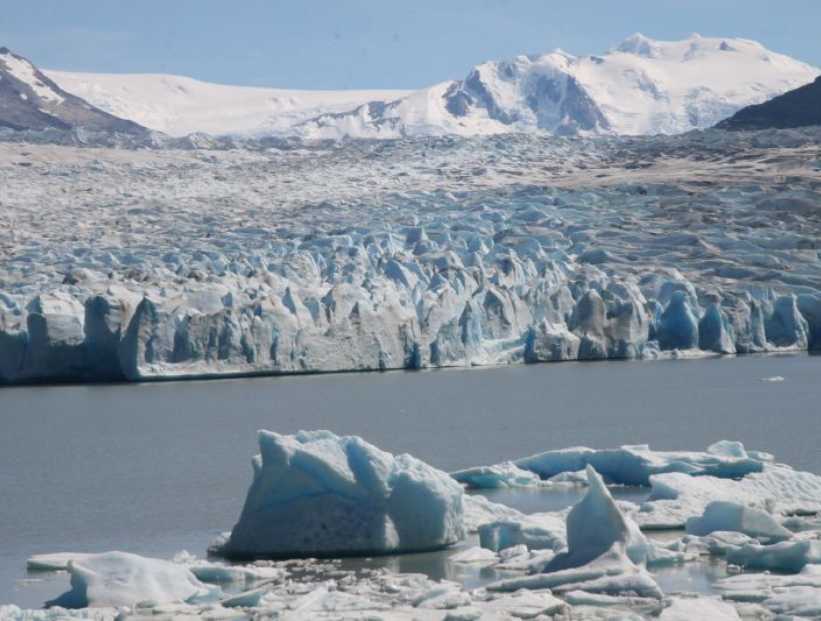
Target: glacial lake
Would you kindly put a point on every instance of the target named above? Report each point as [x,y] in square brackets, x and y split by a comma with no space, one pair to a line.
[162,467]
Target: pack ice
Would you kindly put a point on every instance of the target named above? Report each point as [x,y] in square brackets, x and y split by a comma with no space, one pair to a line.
[315,493]
[247,258]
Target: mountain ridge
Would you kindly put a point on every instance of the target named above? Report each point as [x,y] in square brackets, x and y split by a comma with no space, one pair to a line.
[797,108]
[640,86]
[30,100]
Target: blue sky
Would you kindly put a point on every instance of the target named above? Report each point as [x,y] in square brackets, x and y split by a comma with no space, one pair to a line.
[361,43]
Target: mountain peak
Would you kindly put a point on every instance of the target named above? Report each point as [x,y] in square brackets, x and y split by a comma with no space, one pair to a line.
[639,45]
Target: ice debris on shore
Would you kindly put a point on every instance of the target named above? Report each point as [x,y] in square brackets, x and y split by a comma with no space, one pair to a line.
[315,493]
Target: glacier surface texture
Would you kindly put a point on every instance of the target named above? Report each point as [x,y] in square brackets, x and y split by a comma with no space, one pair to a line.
[262,258]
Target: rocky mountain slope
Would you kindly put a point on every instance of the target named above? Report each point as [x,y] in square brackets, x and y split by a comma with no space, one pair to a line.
[798,108]
[31,100]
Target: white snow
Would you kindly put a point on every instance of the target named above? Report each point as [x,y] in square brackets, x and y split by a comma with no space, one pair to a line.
[315,493]
[642,86]
[180,105]
[24,71]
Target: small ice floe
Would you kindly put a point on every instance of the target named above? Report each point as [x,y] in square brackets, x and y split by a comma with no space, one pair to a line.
[116,579]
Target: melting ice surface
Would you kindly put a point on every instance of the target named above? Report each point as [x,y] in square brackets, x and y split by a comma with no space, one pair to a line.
[156,503]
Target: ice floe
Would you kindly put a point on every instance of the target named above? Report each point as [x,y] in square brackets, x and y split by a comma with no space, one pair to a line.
[116,579]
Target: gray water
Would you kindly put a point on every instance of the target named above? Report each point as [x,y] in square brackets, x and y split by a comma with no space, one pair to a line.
[157,468]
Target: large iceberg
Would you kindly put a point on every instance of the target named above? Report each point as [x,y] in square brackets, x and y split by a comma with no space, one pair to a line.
[318,494]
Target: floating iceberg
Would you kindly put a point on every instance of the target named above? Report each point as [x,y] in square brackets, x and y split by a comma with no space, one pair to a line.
[605,550]
[536,532]
[318,494]
[634,465]
[730,516]
[500,475]
[777,489]
[115,579]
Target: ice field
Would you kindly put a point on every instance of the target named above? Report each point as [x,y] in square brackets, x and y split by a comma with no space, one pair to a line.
[248,258]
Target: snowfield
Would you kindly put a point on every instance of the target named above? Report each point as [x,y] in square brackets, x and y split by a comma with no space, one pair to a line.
[142,264]
[591,561]
[641,86]
[178,106]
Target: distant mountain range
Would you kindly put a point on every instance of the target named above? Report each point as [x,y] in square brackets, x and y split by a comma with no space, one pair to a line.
[641,86]
[797,108]
[31,100]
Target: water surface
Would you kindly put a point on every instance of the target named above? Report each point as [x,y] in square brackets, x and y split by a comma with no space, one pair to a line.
[157,468]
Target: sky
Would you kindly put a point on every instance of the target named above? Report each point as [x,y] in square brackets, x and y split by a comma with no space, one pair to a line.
[337,44]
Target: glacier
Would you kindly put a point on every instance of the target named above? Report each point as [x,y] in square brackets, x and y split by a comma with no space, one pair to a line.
[242,257]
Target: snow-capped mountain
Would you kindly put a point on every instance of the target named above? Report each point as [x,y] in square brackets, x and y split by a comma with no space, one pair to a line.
[179,105]
[642,86]
[30,100]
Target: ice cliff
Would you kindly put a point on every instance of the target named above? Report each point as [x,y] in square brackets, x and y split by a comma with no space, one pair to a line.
[405,255]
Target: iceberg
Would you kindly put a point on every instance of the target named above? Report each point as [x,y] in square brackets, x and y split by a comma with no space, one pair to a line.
[595,525]
[116,579]
[777,489]
[500,475]
[536,532]
[634,465]
[319,494]
[732,516]
[605,551]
